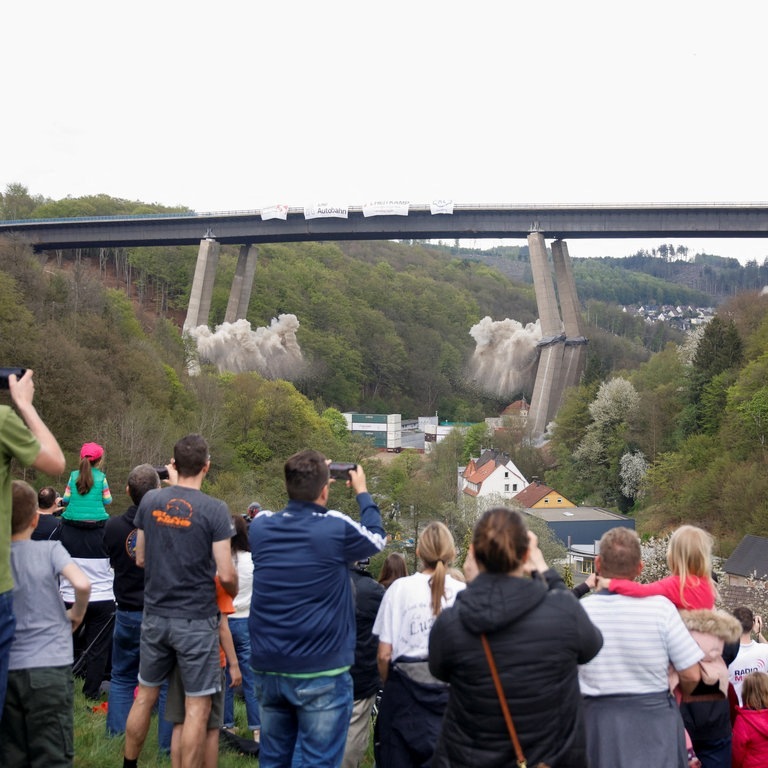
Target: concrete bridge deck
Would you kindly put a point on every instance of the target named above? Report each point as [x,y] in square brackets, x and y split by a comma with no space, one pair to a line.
[732,220]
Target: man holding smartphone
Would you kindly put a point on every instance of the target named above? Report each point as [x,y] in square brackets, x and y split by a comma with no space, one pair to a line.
[302,618]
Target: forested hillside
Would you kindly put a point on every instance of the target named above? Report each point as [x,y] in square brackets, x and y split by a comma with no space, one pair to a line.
[682,438]
[664,427]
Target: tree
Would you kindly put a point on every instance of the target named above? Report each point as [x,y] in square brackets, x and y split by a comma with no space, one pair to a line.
[634,468]
[719,349]
[476,438]
[599,453]
[17,203]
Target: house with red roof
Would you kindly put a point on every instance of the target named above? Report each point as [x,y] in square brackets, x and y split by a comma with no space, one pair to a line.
[493,473]
[540,496]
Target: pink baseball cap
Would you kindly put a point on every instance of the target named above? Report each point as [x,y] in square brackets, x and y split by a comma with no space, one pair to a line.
[91,451]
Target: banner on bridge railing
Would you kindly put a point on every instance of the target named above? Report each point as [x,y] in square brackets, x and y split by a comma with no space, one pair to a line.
[441,206]
[274,212]
[386,208]
[326,211]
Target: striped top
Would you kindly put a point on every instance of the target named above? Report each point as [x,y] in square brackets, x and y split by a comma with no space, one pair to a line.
[640,639]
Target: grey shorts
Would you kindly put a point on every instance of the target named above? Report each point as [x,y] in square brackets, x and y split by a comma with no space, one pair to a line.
[175,704]
[190,644]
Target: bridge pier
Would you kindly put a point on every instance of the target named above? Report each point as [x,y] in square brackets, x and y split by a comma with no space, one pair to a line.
[575,351]
[242,284]
[550,349]
[202,284]
[561,349]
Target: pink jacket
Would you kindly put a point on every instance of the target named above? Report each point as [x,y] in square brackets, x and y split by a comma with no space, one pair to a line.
[750,738]
[711,630]
[698,593]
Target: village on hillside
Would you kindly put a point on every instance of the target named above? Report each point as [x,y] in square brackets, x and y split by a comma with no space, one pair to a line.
[678,317]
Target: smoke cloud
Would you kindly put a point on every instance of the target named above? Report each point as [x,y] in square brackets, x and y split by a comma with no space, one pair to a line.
[505,358]
[273,352]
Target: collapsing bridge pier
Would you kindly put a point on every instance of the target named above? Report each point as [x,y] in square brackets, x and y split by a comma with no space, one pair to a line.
[562,350]
[201,294]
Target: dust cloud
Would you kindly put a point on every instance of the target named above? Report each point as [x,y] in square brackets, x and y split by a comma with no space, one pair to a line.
[505,358]
[273,352]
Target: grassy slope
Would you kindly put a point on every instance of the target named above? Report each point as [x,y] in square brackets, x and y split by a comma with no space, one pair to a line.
[94,749]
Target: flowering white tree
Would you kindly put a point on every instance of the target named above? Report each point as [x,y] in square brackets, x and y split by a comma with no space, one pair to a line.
[616,401]
[687,350]
[599,452]
[654,555]
[634,468]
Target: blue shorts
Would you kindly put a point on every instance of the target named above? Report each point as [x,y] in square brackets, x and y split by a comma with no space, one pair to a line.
[192,644]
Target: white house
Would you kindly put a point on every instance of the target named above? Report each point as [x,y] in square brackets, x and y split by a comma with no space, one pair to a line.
[493,473]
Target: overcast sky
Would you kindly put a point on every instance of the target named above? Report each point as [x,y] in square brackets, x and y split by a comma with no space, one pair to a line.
[243,104]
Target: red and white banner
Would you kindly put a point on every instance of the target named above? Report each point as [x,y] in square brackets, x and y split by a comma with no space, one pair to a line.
[274,212]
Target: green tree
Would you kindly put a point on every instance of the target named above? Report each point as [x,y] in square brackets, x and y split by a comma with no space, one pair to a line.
[17,203]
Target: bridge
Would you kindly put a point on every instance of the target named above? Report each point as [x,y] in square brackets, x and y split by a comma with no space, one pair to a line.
[703,220]
[562,350]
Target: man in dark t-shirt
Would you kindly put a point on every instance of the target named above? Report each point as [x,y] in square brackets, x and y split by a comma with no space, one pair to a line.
[182,541]
[120,543]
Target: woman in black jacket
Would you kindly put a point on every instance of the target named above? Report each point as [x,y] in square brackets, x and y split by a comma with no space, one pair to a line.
[538,634]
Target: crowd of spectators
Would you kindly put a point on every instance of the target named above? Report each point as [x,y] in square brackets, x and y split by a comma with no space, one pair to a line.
[176,602]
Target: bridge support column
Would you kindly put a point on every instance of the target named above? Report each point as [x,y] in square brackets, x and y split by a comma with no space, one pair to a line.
[242,284]
[202,284]
[562,350]
[574,353]
[550,346]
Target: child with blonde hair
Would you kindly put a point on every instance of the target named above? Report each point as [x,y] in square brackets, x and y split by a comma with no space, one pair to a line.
[690,585]
[750,731]
[691,589]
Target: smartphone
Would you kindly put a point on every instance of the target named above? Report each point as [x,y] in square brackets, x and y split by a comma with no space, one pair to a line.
[6,372]
[340,470]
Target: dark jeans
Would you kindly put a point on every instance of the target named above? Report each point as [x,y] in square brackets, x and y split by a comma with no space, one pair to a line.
[96,637]
[242,642]
[409,721]
[7,629]
[125,677]
[310,712]
[713,754]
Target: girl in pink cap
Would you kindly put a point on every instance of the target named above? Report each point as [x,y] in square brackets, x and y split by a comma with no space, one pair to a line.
[82,534]
[87,492]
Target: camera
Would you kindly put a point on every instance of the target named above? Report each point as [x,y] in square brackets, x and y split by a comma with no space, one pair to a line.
[6,372]
[340,470]
[162,472]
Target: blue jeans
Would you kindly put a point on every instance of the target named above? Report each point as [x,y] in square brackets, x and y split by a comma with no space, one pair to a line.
[125,678]
[242,641]
[715,753]
[312,711]
[7,630]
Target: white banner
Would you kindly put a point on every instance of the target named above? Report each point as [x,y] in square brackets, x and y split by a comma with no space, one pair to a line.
[274,212]
[325,211]
[387,208]
[441,206]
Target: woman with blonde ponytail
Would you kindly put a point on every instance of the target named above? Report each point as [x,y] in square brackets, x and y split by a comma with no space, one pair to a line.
[413,701]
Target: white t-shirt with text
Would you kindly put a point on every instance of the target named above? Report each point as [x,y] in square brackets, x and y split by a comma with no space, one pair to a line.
[751,658]
[405,616]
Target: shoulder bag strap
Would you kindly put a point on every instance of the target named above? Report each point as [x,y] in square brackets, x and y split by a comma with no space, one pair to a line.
[503,701]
